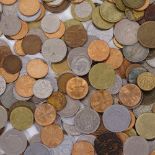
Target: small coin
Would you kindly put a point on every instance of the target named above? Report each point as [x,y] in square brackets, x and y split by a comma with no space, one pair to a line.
[130,95]
[52,135]
[83,147]
[108,143]
[87,121]
[116,118]
[2,85]
[54,50]
[126,32]
[102,76]
[146,81]
[100,100]
[45,114]
[77,88]
[75,36]
[3,117]
[136,145]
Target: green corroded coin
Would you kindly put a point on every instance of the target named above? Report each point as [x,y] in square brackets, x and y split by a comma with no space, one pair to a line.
[134,4]
[102,76]
[120,5]
[110,13]
[21,118]
[72,22]
[98,21]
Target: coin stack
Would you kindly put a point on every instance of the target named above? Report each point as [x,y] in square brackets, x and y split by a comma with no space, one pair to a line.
[77,77]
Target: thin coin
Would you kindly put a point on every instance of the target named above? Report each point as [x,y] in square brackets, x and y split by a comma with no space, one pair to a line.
[100,100]
[83,147]
[117,44]
[3,117]
[146,81]
[116,118]
[37,68]
[24,86]
[2,85]
[130,95]
[98,50]
[45,114]
[77,88]
[52,135]
[18,48]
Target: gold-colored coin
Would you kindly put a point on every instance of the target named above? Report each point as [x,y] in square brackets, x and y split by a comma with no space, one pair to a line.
[131,132]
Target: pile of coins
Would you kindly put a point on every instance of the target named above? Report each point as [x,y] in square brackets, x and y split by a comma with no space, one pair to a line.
[77,77]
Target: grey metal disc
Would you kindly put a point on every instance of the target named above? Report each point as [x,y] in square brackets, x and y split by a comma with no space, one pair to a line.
[10,9]
[88,138]
[3,117]
[116,118]
[35,139]
[2,85]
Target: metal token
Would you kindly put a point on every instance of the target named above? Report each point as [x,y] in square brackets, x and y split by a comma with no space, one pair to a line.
[2,85]
[87,121]
[116,118]
[3,117]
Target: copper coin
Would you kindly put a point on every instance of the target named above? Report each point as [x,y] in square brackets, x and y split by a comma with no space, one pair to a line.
[133,120]
[83,147]
[31,44]
[98,50]
[149,13]
[37,68]
[130,95]
[24,86]
[45,114]
[75,36]
[7,2]
[12,64]
[18,48]
[122,136]
[77,88]
[100,100]
[52,135]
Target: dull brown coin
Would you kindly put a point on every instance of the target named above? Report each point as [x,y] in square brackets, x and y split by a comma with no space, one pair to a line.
[52,135]
[31,44]
[149,13]
[130,95]
[98,50]
[45,114]
[24,85]
[12,64]
[100,100]
[77,88]
[83,147]
[75,36]
[37,68]
[4,52]
[62,81]
[18,48]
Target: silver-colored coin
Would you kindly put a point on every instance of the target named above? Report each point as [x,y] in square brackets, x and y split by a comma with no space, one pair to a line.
[25,60]
[149,68]
[116,118]
[54,50]
[42,88]
[132,78]
[136,145]
[10,25]
[88,138]
[37,149]
[36,100]
[2,85]
[65,148]
[3,117]
[35,139]
[117,85]
[135,52]
[71,130]
[151,62]
[151,146]
[50,23]
[71,108]
[8,99]
[87,121]
[105,35]
[29,18]
[126,32]
[13,142]
[53,82]
[68,120]
[10,9]
[90,39]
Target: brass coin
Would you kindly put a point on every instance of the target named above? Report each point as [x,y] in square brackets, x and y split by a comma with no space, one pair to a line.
[131,132]
[71,22]
[120,5]
[134,4]
[102,76]
[58,100]
[146,81]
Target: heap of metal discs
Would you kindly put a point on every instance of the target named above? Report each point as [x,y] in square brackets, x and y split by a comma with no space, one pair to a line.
[77,77]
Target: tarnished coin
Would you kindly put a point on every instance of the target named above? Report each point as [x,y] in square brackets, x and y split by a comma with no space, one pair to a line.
[54,50]
[87,121]
[134,4]
[136,145]
[116,118]
[102,76]
[148,97]
[135,52]
[2,85]
[149,13]
[126,32]
[3,117]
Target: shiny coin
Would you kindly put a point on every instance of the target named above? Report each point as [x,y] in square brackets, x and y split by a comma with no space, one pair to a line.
[87,121]
[3,117]
[2,85]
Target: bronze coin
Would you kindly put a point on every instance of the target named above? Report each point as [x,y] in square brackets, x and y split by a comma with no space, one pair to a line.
[12,64]
[75,36]
[150,13]
[108,144]
[31,44]
[4,51]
